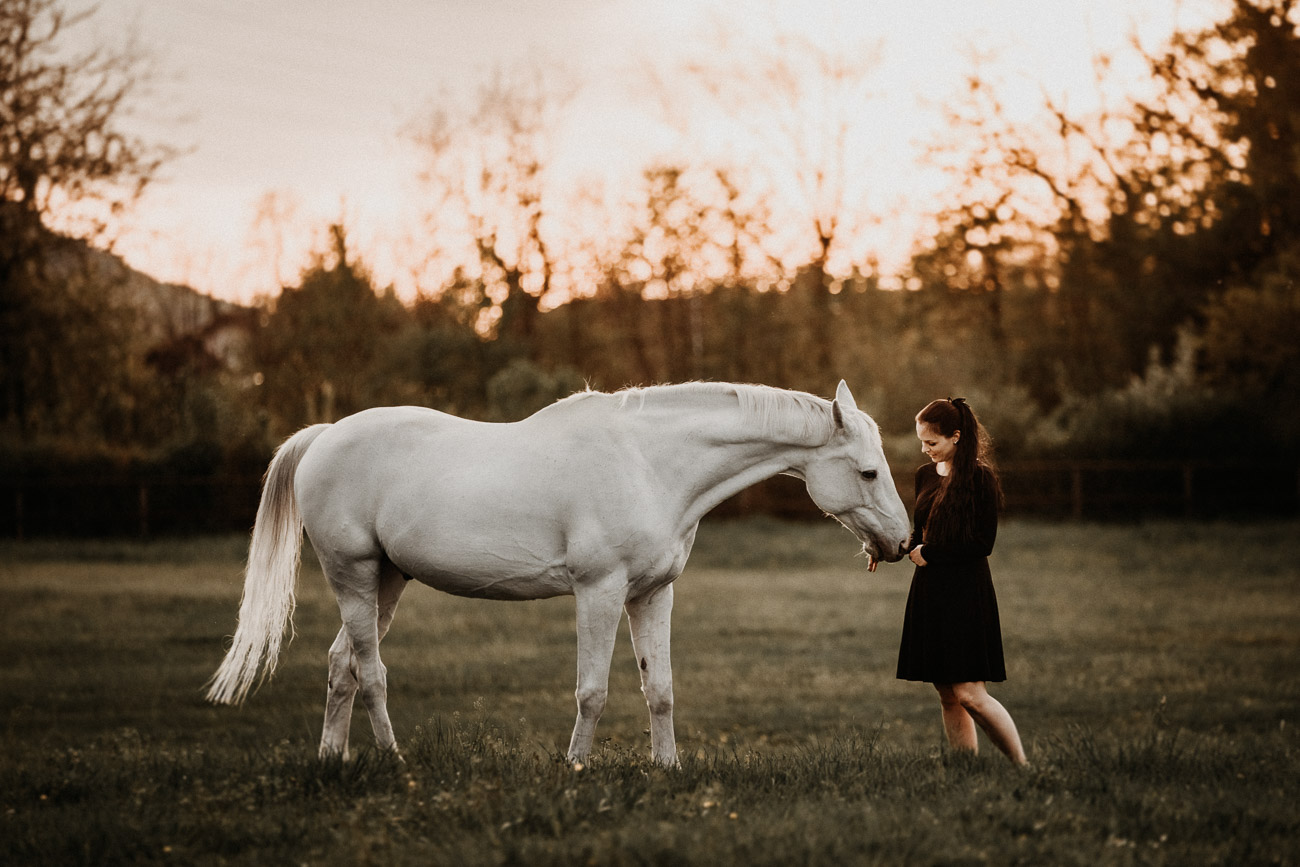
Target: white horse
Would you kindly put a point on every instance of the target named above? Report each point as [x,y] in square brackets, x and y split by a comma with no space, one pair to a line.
[597,496]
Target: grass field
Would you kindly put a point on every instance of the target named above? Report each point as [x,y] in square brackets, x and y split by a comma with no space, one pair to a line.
[1154,671]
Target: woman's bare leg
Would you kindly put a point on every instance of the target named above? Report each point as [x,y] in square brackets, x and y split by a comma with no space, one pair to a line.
[957,723]
[986,712]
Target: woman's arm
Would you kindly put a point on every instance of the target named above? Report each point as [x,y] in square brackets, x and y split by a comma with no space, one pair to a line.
[984,532]
[917,529]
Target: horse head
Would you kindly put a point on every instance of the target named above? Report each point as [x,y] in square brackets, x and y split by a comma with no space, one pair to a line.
[849,479]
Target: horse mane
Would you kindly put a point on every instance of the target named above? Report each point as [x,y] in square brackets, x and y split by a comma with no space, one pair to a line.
[783,414]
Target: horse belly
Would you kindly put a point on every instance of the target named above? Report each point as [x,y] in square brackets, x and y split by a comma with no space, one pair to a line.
[515,588]
[482,571]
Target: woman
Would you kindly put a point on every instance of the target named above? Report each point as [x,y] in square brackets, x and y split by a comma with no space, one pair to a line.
[951,634]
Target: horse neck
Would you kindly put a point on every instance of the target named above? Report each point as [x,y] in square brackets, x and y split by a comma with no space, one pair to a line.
[708,449]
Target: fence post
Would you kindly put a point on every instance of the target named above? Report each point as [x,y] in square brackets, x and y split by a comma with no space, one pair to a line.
[1189,507]
[19,530]
[144,511]
[1076,491]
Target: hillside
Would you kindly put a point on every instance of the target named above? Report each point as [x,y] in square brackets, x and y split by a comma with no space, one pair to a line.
[166,311]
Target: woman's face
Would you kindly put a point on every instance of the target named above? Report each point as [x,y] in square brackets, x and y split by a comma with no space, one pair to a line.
[935,445]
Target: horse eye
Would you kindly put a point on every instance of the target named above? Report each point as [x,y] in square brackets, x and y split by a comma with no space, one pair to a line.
[869,475]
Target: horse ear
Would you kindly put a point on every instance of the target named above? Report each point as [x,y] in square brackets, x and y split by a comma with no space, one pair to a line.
[843,400]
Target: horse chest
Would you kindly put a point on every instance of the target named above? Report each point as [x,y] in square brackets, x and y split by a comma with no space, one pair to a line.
[643,585]
[645,560]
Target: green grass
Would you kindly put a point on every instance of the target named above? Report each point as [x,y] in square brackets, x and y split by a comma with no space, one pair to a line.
[1154,671]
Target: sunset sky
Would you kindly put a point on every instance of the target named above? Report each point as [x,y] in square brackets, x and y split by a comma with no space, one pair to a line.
[307,100]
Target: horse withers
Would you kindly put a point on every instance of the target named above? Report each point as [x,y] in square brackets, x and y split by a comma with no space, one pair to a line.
[597,496]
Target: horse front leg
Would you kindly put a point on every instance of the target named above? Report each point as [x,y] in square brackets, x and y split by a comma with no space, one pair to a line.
[650,621]
[597,616]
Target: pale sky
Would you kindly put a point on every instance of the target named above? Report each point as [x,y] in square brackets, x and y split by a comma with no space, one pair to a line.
[307,99]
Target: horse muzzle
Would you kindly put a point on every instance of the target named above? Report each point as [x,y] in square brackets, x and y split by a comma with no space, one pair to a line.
[888,546]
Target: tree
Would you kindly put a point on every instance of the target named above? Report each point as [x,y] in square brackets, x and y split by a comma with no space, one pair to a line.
[1230,108]
[1119,227]
[1208,185]
[486,172]
[665,257]
[802,106]
[66,166]
[320,349]
[1250,342]
[444,356]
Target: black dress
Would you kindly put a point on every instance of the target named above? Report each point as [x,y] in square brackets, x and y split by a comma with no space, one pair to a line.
[951,631]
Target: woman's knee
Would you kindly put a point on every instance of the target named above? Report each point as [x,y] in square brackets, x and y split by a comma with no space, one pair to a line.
[970,696]
[947,696]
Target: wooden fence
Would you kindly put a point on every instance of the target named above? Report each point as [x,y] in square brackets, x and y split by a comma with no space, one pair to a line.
[1089,490]
[1079,490]
[114,507]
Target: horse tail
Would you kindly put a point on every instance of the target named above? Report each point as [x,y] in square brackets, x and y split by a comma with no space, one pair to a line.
[273,555]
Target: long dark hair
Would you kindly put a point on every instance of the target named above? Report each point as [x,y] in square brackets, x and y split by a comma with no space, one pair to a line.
[952,515]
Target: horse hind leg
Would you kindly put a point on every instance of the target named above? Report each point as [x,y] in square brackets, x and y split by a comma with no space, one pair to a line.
[338,701]
[344,666]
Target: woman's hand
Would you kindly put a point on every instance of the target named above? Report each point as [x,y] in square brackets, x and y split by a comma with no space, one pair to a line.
[915,556]
[872,563]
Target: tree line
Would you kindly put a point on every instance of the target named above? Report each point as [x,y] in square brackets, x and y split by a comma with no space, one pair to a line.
[1117,285]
